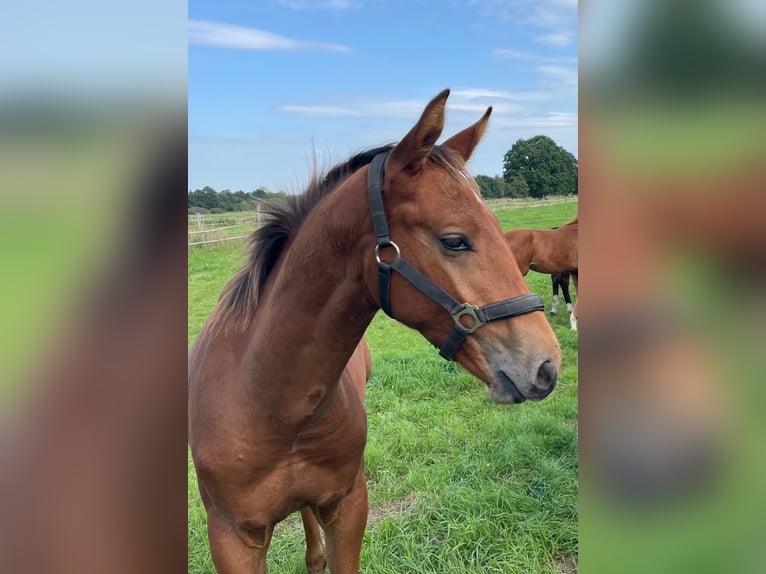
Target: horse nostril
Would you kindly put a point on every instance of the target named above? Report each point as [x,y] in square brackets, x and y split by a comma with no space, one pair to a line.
[546,375]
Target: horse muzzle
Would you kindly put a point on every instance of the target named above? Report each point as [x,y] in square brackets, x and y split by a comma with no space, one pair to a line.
[508,387]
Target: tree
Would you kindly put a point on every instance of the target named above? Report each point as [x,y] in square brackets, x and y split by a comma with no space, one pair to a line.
[208,199]
[547,168]
[517,187]
[493,187]
[205,198]
[488,186]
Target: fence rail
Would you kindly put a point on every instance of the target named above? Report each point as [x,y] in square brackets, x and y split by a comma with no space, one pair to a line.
[497,204]
[208,235]
[218,240]
[214,229]
[211,229]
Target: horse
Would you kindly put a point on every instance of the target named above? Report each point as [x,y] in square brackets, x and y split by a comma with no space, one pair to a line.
[548,251]
[277,374]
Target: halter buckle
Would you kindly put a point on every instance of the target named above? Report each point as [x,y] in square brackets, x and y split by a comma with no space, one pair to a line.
[472,312]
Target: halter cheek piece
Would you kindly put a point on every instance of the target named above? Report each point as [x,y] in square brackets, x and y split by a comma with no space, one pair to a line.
[479,316]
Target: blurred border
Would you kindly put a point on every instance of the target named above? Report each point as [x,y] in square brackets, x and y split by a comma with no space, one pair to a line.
[93,180]
[673,243]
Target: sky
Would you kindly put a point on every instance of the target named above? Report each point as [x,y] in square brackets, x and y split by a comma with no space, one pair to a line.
[277,85]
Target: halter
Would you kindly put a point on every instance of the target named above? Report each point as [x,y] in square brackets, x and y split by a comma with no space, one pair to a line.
[479,316]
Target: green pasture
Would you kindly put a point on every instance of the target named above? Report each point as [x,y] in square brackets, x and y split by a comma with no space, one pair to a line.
[456,482]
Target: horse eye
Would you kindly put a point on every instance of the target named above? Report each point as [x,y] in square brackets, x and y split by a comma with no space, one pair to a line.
[455,242]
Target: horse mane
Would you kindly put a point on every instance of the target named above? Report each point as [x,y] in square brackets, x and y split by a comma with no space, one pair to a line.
[239,297]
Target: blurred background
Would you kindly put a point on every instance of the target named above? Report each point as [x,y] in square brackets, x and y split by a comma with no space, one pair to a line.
[93,286]
[672,265]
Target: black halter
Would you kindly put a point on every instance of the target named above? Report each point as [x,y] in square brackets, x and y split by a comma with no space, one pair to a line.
[480,316]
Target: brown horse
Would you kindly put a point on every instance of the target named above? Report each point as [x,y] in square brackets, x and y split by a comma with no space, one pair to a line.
[277,375]
[548,251]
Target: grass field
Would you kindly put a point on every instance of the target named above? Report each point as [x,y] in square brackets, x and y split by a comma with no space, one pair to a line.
[457,483]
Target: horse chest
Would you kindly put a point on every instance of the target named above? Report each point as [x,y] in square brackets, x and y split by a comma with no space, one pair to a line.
[320,466]
[324,458]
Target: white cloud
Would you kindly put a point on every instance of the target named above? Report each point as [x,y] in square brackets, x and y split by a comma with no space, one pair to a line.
[479,93]
[566,75]
[516,54]
[544,121]
[542,13]
[366,108]
[219,35]
[530,57]
[316,4]
[470,102]
[555,20]
[553,13]
[321,111]
[555,39]
[500,97]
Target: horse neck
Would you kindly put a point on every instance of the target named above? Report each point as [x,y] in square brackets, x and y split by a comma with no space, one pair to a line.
[317,303]
[521,243]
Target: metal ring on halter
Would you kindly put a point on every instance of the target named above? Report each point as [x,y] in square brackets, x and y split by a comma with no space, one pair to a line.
[471,311]
[389,244]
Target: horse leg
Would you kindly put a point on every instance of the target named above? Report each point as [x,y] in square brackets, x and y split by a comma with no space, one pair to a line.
[573,312]
[315,558]
[345,530]
[565,289]
[555,287]
[233,553]
[230,551]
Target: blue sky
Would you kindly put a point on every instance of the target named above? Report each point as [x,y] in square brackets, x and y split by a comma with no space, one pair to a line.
[274,81]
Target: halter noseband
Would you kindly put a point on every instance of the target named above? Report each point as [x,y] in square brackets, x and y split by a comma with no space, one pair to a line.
[480,316]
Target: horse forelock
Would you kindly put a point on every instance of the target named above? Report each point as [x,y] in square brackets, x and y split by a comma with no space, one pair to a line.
[455,166]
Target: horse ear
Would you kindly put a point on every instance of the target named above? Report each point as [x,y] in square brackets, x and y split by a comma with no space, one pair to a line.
[410,154]
[465,142]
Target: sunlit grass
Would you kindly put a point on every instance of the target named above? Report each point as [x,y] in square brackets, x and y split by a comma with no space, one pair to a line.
[456,482]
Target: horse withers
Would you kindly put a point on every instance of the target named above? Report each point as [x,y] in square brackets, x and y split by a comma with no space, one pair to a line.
[277,374]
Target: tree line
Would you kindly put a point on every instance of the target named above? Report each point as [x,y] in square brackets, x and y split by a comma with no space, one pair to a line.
[534,167]
[208,200]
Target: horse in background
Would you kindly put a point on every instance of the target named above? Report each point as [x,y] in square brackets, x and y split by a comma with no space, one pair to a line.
[552,251]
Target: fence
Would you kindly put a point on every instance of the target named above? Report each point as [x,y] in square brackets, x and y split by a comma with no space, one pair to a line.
[508,203]
[213,229]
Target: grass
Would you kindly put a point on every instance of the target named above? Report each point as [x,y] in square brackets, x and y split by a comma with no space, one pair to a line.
[456,482]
